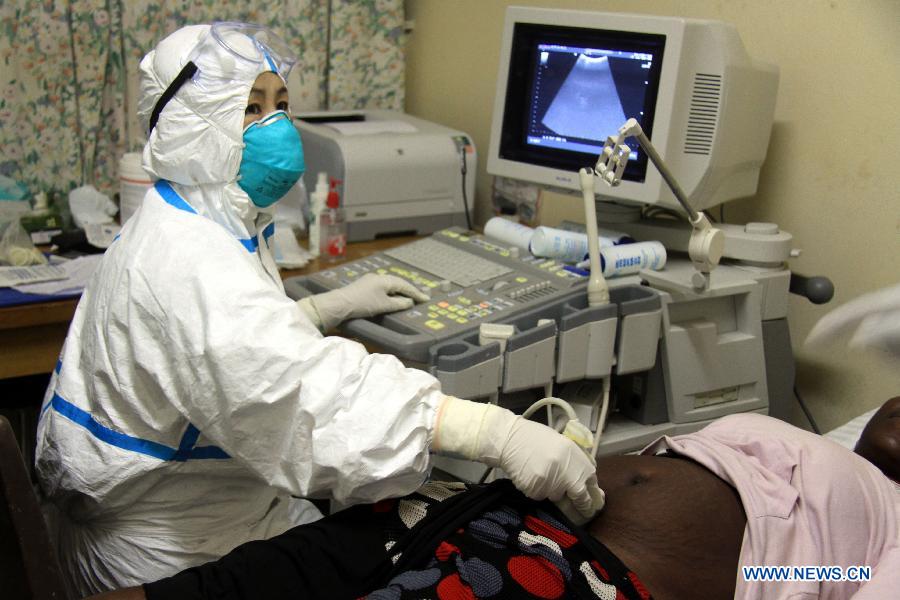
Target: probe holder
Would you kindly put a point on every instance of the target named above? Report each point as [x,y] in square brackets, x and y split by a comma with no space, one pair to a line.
[582,342]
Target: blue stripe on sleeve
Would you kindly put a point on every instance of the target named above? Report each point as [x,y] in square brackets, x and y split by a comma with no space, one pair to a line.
[189,438]
[184,452]
[105,434]
[207,452]
[187,443]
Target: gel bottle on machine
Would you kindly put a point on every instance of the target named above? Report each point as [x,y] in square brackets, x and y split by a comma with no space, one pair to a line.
[333,227]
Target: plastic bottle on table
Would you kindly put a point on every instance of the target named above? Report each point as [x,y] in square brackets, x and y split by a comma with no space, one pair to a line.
[317,204]
[333,227]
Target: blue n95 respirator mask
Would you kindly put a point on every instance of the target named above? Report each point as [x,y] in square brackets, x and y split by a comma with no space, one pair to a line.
[272,161]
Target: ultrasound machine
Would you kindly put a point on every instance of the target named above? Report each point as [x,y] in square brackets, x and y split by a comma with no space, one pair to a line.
[666,355]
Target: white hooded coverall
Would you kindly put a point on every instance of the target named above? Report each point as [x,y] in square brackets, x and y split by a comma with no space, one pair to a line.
[192,397]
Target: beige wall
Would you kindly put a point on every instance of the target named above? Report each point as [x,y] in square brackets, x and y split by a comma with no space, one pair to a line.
[831,177]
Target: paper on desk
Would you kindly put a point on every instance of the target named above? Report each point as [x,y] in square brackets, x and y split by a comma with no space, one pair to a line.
[371,127]
[13,276]
[77,272]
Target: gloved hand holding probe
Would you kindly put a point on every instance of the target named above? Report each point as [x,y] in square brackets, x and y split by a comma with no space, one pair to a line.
[368,296]
[541,463]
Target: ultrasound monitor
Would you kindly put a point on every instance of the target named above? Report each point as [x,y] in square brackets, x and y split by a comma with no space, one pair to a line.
[568,79]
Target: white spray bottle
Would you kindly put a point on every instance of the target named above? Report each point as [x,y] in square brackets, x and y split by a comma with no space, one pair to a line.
[317,201]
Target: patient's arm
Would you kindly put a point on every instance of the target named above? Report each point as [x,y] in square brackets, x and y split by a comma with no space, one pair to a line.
[880,440]
[673,522]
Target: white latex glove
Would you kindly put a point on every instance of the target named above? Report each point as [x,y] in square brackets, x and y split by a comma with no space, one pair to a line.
[540,462]
[873,319]
[368,296]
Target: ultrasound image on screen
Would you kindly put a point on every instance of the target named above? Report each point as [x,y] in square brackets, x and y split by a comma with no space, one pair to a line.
[579,96]
[587,105]
[569,88]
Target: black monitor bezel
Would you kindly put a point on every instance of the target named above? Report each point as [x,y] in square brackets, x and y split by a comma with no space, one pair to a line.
[513,132]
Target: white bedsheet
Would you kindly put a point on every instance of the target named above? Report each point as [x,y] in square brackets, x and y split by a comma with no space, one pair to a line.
[847,434]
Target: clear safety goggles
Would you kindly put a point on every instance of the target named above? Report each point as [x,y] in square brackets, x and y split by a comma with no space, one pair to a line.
[227,49]
[254,45]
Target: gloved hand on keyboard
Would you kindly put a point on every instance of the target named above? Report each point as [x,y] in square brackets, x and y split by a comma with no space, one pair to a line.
[540,462]
[368,296]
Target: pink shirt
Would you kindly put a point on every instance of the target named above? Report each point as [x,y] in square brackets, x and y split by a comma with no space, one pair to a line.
[808,502]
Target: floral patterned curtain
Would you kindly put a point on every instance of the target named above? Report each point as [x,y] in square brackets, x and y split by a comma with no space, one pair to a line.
[69,72]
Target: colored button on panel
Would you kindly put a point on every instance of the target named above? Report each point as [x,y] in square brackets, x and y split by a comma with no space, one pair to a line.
[432,324]
[432,307]
[462,320]
[464,300]
[443,304]
[381,271]
[443,312]
[432,315]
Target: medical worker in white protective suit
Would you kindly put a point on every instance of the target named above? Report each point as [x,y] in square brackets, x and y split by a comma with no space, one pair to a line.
[193,398]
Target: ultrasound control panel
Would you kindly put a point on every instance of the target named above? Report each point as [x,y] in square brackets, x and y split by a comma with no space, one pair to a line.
[469,279]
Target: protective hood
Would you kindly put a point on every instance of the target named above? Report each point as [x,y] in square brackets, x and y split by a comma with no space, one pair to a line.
[197,142]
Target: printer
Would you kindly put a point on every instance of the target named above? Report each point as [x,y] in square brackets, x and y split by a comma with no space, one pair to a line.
[399,174]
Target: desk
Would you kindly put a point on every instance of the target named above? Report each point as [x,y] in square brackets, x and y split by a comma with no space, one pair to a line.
[32,335]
